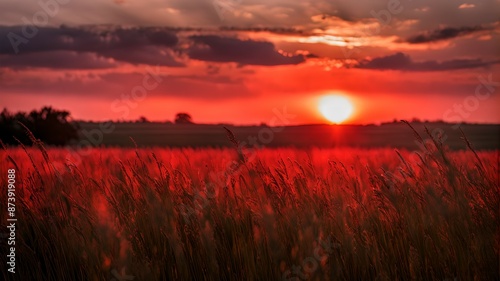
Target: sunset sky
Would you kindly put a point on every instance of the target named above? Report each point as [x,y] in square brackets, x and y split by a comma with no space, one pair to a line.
[238,60]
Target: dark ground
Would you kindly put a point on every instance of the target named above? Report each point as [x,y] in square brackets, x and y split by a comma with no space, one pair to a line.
[397,135]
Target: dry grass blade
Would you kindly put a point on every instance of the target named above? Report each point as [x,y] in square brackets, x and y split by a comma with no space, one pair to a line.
[438,145]
[408,167]
[417,135]
[230,135]
[36,142]
[469,145]
[133,141]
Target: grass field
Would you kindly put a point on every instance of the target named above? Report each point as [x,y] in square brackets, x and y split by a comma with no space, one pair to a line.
[271,214]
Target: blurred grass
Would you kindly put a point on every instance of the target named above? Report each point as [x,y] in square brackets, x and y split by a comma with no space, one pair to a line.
[184,214]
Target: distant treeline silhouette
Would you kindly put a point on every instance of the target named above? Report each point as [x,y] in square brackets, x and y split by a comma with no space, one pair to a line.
[181,118]
[49,125]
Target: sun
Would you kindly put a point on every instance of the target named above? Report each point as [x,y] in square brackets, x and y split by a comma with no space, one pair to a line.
[335,108]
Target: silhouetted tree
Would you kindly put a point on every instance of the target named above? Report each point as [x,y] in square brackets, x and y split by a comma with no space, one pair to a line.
[48,125]
[183,118]
[142,119]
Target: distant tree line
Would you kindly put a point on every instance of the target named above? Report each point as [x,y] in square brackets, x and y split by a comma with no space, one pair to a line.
[49,125]
[180,118]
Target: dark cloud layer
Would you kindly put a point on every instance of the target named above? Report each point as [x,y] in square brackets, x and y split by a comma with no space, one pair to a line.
[400,61]
[275,30]
[57,60]
[245,52]
[94,46]
[101,46]
[86,39]
[141,45]
[444,34]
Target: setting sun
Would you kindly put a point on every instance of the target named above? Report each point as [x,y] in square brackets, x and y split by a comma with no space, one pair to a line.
[335,108]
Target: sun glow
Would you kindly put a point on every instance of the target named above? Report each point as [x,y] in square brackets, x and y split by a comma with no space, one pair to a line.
[335,108]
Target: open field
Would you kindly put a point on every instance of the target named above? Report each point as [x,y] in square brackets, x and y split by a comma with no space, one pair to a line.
[483,136]
[271,214]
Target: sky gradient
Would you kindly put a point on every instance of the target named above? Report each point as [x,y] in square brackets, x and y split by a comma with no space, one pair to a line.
[238,60]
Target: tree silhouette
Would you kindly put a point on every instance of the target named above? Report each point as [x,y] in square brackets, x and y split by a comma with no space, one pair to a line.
[48,125]
[142,119]
[183,118]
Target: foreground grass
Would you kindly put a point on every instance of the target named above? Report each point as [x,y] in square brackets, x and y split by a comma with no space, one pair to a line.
[281,214]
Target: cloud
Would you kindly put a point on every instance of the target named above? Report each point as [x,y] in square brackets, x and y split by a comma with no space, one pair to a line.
[400,61]
[274,30]
[466,6]
[105,46]
[396,61]
[57,60]
[445,33]
[152,55]
[245,52]
[139,45]
[422,9]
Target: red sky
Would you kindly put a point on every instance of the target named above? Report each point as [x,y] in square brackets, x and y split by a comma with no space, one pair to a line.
[241,62]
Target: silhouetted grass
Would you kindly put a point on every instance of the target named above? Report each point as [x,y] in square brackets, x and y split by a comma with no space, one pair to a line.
[182,214]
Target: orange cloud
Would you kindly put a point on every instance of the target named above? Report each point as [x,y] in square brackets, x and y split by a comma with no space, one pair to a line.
[466,6]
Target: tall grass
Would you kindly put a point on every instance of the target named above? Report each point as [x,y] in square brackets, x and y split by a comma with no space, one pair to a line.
[181,214]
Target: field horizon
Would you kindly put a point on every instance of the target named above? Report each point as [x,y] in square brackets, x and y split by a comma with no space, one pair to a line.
[394,134]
